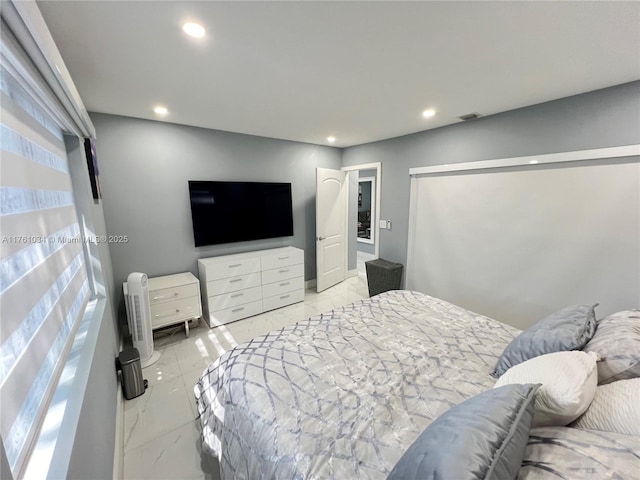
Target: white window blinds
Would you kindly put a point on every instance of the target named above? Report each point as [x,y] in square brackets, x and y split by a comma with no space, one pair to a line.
[43,280]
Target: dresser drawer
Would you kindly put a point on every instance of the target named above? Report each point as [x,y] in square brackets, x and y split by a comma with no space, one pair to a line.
[176,311]
[284,286]
[282,259]
[283,299]
[232,268]
[233,299]
[235,313]
[173,293]
[282,273]
[233,284]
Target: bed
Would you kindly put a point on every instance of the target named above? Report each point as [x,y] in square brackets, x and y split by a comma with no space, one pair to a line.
[343,395]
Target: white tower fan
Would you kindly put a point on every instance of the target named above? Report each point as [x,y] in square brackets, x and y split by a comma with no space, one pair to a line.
[139,315]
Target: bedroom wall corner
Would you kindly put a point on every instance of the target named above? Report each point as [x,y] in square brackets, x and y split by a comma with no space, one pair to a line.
[603,118]
[144,169]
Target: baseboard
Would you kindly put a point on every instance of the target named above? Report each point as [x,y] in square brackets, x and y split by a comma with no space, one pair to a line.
[118,450]
[312,283]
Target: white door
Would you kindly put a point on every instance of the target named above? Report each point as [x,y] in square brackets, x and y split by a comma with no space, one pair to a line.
[331,227]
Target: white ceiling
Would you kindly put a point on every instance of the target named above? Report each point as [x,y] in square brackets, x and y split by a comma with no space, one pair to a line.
[361,71]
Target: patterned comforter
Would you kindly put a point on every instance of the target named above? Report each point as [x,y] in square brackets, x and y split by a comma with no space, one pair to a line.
[342,395]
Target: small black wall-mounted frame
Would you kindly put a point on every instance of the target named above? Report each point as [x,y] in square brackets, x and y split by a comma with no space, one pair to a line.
[92,163]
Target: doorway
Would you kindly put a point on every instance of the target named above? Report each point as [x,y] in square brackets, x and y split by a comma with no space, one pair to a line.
[352,258]
[364,215]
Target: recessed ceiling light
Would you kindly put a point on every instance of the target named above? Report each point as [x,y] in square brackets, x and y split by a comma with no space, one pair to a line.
[429,113]
[160,110]
[193,29]
[331,139]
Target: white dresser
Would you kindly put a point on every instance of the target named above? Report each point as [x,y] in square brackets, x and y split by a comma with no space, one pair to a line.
[173,299]
[245,284]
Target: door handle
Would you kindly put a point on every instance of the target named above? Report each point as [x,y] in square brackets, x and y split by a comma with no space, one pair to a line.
[321,238]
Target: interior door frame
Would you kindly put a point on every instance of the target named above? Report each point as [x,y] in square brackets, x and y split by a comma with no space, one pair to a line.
[377,166]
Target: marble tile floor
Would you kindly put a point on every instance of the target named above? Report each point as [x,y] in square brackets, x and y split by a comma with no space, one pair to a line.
[162,440]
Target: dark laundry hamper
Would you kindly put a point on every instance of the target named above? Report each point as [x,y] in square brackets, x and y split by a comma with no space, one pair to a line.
[383,275]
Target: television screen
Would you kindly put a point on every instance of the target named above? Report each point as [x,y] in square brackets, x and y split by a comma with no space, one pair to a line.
[226,212]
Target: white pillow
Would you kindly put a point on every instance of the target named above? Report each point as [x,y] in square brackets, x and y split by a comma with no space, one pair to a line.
[569,381]
[615,408]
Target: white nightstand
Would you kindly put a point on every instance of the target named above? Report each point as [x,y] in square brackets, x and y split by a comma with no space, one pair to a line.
[173,299]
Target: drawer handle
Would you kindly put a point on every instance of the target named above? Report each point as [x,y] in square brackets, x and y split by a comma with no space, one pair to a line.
[284,296]
[235,265]
[177,310]
[237,310]
[235,280]
[158,297]
[157,315]
[284,284]
[283,258]
[284,271]
[237,295]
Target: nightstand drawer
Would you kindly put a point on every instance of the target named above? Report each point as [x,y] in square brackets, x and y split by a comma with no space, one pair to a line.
[174,312]
[233,299]
[173,293]
[233,284]
[282,273]
[282,259]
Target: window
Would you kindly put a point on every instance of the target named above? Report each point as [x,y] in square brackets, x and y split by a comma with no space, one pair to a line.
[44,286]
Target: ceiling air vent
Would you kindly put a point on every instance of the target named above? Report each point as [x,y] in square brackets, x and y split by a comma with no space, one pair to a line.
[469,116]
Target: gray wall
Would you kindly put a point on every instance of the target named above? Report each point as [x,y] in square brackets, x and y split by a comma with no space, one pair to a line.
[608,117]
[92,452]
[5,468]
[144,170]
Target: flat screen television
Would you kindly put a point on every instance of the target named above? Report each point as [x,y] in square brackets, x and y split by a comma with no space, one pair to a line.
[227,212]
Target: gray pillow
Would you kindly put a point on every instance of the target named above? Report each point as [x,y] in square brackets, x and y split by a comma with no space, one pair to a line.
[483,437]
[567,329]
[617,341]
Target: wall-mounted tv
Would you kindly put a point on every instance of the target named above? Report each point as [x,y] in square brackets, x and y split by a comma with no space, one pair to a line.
[226,212]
